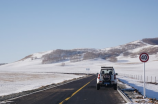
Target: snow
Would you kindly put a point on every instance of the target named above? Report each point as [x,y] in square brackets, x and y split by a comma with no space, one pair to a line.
[18,82]
[132,67]
[24,75]
[140,48]
[135,42]
[151,89]
[39,55]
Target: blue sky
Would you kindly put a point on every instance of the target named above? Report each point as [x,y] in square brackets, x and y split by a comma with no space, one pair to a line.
[30,26]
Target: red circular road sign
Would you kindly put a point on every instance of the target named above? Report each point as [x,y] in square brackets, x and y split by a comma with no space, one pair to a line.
[144,57]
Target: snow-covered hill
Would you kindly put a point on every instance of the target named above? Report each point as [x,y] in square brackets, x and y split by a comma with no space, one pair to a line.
[124,54]
[122,57]
[131,49]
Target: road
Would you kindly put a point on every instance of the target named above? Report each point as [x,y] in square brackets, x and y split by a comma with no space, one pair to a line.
[78,92]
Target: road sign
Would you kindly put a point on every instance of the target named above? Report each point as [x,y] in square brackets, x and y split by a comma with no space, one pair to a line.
[144,57]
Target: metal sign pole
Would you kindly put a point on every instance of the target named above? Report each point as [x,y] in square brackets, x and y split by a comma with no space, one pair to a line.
[144,81]
[144,57]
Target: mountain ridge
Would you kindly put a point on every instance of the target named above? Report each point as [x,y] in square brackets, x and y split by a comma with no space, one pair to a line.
[152,41]
[131,49]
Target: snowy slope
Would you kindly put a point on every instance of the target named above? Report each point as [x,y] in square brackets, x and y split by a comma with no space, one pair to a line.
[39,55]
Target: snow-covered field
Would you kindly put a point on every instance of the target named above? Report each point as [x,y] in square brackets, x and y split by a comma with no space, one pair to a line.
[30,74]
[13,82]
[127,65]
[131,73]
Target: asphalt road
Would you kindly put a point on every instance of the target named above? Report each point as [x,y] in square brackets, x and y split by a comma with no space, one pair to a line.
[78,92]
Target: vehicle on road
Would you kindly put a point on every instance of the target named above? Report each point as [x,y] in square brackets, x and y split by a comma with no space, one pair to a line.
[106,77]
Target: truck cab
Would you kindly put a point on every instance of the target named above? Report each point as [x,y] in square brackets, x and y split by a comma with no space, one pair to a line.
[106,77]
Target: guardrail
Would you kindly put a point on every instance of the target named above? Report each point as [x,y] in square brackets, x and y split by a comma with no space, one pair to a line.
[124,96]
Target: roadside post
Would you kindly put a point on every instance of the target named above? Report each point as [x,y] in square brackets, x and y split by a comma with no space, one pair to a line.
[87,70]
[144,57]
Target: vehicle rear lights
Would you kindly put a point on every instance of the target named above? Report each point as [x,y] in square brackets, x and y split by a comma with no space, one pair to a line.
[98,76]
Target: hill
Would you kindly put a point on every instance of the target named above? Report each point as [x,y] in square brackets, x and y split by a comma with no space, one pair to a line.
[131,49]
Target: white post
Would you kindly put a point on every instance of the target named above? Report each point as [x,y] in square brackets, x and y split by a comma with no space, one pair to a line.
[144,81]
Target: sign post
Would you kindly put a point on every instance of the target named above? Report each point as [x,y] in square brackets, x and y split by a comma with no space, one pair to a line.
[144,57]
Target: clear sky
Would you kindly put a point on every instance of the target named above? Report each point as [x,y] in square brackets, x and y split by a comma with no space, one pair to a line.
[30,26]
